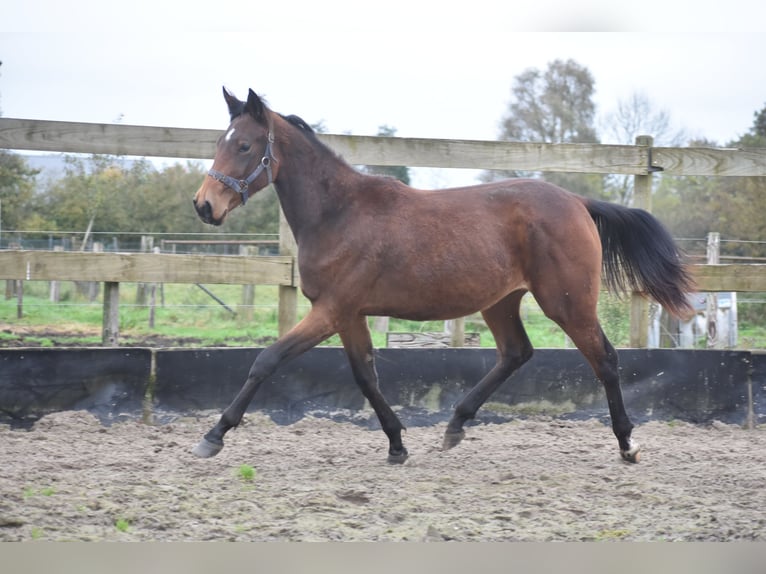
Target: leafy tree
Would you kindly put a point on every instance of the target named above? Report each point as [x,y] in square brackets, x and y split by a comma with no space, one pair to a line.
[756,137]
[124,199]
[17,187]
[553,106]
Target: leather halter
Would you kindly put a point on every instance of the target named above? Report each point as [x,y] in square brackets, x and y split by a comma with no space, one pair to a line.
[241,185]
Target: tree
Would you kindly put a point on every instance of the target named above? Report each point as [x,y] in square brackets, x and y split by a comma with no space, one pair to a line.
[635,116]
[554,106]
[17,186]
[756,137]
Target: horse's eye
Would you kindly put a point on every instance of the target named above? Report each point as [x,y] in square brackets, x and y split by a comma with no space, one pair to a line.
[244,148]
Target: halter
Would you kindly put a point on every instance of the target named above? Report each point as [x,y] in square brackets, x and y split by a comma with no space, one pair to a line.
[241,185]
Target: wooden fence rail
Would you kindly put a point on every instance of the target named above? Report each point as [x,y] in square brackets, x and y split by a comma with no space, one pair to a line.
[119,139]
[115,268]
[640,160]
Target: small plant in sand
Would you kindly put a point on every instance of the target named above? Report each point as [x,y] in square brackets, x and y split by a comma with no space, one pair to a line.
[122,524]
[246,472]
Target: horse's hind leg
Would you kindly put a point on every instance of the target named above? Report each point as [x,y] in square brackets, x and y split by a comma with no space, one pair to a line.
[513,350]
[358,345]
[577,317]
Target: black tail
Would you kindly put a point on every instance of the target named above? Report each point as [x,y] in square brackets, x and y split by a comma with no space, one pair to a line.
[639,254]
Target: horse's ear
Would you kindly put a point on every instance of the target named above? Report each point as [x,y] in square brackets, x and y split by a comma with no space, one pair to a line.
[235,106]
[255,106]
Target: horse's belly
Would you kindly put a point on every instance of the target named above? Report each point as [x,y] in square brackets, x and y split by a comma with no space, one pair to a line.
[441,299]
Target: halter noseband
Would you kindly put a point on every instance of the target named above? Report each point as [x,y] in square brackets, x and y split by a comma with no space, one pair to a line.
[241,185]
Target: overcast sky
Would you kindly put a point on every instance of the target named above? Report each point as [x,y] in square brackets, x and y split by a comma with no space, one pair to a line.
[424,68]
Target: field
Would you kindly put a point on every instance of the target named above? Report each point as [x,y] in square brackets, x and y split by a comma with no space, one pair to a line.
[191,317]
[187,316]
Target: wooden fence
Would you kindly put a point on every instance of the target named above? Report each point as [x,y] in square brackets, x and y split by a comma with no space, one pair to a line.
[640,160]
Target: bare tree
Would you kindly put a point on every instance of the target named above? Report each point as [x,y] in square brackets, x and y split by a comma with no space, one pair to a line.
[635,116]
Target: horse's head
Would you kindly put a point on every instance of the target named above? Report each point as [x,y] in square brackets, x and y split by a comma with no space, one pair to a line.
[244,162]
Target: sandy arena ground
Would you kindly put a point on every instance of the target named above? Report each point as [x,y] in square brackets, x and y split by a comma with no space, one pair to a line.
[70,478]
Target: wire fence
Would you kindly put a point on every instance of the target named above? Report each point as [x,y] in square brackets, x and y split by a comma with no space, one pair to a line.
[135,242]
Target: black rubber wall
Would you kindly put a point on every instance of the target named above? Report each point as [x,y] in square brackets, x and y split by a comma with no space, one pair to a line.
[697,386]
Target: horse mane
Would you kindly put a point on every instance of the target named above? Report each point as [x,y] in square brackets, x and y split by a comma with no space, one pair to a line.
[308,132]
[299,123]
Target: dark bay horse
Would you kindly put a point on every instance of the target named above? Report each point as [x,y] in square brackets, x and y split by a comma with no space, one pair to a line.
[370,245]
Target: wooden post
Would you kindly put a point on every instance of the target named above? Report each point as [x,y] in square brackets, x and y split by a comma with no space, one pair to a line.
[147,244]
[110,333]
[288,295]
[55,292]
[380,324]
[639,306]
[711,299]
[19,298]
[93,286]
[153,298]
[456,329]
[248,291]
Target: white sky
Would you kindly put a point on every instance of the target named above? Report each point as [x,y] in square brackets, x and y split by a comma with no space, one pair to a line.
[425,68]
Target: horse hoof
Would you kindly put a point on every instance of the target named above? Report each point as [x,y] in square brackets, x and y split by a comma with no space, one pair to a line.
[398,458]
[633,454]
[452,439]
[206,449]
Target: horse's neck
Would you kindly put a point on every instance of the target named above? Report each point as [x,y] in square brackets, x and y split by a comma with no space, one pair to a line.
[312,187]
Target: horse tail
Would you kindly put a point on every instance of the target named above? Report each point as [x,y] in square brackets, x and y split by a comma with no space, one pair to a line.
[639,254]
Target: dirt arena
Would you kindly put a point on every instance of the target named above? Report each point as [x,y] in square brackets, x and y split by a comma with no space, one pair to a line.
[70,478]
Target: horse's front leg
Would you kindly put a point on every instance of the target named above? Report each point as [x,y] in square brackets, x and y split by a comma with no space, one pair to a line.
[311,331]
[358,345]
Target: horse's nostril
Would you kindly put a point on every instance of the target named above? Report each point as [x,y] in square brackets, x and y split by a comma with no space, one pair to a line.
[205,211]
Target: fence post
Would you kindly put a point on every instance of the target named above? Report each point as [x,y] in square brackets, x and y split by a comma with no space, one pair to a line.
[639,306]
[288,294]
[153,297]
[19,299]
[55,291]
[456,329]
[147,246]
[711,299]
[110,332]
[248,291]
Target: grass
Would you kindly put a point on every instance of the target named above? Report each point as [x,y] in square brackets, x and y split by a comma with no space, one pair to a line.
[122,524]
[246,472]
[46,491]
[187,314]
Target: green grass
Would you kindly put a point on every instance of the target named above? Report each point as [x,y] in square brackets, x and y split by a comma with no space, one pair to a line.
[246,472]
[190,315]
[122,524]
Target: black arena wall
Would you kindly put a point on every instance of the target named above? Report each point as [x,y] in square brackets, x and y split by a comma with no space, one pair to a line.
[422,384]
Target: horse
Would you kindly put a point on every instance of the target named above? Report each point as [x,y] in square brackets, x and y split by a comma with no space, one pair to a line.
[372,246]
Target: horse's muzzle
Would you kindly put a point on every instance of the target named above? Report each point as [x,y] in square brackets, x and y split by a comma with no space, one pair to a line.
[205,213]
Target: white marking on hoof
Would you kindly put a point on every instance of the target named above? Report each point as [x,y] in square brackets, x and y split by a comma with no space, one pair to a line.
[633,454]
